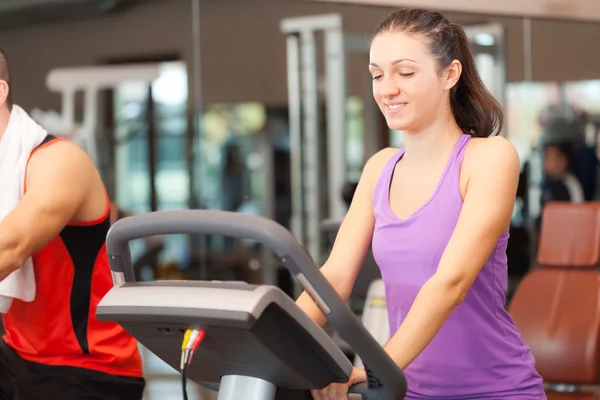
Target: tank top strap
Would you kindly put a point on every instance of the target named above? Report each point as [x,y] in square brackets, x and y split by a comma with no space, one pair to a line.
[461,148]
[385,177]
[451,176]
[46,140]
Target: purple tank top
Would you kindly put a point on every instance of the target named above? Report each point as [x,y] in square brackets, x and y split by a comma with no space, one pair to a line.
[478,353]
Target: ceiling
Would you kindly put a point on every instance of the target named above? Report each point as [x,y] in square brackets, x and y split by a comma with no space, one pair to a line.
[579,10]
[19,13]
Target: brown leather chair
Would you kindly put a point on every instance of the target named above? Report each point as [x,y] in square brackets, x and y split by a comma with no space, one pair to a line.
[557,306]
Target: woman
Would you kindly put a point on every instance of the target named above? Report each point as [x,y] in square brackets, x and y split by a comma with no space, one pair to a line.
[436,213]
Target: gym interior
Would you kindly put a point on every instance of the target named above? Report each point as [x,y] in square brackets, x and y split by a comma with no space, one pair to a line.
[265,108]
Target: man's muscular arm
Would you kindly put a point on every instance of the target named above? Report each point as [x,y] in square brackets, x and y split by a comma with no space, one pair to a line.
[59,178]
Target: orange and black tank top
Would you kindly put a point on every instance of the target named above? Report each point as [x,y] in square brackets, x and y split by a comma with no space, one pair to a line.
[60,327]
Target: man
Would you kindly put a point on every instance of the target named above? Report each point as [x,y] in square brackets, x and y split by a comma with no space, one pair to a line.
[559,184]
[54,346]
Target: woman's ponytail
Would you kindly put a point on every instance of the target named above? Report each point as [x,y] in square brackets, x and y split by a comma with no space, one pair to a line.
[476,111]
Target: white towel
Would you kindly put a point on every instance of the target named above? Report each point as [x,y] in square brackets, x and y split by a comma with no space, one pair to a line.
[574,188]
[21,137]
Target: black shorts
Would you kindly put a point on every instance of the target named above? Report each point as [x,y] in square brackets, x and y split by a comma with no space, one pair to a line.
[26,380]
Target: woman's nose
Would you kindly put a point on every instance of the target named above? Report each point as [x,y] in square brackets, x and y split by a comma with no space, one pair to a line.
[388,88]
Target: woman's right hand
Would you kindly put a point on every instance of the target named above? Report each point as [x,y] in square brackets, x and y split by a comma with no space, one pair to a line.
[339,391]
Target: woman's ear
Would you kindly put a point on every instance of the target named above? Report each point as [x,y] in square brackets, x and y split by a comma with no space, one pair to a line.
[4,89]
[452,75]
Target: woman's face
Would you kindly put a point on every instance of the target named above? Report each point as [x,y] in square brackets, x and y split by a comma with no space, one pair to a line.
[407,85]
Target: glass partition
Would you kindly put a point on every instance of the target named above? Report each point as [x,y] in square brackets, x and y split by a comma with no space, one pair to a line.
[151,167]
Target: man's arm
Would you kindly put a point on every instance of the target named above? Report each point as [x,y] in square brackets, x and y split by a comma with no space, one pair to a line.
[59,178]
[486,213]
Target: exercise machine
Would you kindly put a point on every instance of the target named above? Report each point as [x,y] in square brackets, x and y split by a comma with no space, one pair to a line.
[309,176]
[90,80]
[256,343]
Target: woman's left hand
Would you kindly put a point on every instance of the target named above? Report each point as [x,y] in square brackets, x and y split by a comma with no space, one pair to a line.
[339,391]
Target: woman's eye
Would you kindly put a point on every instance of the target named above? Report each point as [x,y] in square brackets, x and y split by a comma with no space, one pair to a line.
[407,74]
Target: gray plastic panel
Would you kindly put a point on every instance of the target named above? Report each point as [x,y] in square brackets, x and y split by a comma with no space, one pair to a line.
[260,332]
[195,284]
[175,315]
[292,254]
[173,302]
[167,294]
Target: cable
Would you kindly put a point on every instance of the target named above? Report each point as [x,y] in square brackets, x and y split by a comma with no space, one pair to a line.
[184,381]
[183,365]
[191,341]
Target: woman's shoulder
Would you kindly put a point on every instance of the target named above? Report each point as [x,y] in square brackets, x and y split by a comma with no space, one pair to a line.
[383,156]
[377,162]
[491,152]
[375,166]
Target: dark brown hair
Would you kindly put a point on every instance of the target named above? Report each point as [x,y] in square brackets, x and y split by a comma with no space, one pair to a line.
[475,109]
[5,75]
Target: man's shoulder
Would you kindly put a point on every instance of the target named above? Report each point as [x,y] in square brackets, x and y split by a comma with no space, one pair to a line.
[62,176]
[56,147]
[57,155]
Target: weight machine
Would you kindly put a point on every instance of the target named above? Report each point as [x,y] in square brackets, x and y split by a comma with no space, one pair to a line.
[312,181]
[90,80]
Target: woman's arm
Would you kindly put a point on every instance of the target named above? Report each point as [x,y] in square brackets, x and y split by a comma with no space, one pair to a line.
[353,239]
[485,215]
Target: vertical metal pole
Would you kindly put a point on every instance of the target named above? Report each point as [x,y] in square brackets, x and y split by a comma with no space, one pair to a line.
[311,143]
[295,111]
[90,123]
[195,191]
[152,136]
[266,148]
[195,186]
[335,64]
[536,159]
[527,48]
[68,108]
